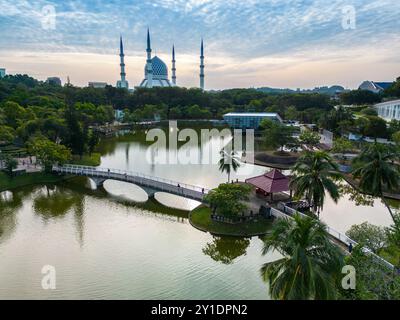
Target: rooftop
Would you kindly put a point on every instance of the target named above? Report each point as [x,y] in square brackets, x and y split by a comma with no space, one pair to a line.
[249,114]
[388,102]
[271,182]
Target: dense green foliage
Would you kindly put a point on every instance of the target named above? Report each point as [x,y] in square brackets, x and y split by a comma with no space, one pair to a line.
[373,237]
[309,138]
[311,263]
[168,103]
[227,199]
[277,135]
[358,97]
[49,153]
[9,163]
[374,281]
[394,90]
[377,171]
[382,241]
[342,145]
[201,219]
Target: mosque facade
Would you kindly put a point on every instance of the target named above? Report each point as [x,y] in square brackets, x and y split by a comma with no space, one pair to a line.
[155,70]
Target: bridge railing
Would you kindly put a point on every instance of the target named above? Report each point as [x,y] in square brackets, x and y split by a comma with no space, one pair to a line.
[105,172]
[289,212]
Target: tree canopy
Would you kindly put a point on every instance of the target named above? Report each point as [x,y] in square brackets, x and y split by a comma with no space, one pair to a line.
[227,199]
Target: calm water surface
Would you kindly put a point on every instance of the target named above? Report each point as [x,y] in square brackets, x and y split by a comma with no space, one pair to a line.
[103,245]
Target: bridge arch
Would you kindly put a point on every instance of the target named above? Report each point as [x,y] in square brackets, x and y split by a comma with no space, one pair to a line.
[151,185]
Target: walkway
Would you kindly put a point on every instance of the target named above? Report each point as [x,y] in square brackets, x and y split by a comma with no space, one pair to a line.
[150,184]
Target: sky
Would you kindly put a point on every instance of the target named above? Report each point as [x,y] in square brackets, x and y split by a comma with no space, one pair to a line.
[248,43]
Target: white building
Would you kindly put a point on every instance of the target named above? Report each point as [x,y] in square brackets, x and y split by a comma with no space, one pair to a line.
[156,71]
[2,73]
[119,115]
[243,120]
[389,110]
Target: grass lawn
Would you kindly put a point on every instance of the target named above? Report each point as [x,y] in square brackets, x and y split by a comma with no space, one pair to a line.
[201,218]
[7,183]
[92,160]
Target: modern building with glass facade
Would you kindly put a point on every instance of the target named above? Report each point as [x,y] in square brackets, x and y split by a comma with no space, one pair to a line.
[249,120]
[389,110]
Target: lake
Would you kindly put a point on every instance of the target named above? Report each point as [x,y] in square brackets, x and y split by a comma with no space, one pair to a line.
[107,243]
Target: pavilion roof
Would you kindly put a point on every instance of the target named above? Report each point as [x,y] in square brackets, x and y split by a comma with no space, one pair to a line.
[271,182]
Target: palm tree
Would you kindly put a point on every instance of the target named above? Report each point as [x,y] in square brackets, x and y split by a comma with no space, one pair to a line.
[311,263]
[377,171]
[228,162]
[314,174]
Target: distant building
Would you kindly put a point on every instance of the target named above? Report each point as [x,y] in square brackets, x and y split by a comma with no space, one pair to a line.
[98,85]
[2,73]
[249,120]
[375,87]
[389,110]
[119,115]
[55,81]
[155,71]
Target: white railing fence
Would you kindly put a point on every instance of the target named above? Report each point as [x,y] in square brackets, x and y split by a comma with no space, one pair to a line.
[147,180]
[286,211]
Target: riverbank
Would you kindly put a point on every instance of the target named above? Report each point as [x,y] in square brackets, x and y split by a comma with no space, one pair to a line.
[7,183]
[93,160]
[351,181]
[266,159]
[200,218]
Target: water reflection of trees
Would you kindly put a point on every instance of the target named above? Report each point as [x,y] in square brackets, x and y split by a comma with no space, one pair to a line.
[360,199]
[55,202]
[10,204]
[226,249]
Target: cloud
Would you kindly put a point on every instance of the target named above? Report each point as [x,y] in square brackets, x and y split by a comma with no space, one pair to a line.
[237,33]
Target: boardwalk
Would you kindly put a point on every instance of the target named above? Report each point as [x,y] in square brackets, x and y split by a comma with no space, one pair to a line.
[150,184]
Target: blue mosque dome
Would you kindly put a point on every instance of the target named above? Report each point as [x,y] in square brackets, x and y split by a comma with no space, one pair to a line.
[159,68]
[155,70]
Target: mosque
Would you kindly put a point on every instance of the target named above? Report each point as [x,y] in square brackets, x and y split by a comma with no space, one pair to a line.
[155,70]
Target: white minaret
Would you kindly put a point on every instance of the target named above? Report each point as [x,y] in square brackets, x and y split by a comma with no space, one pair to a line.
[122,83]
[202,66]
[173,66]
[149,65]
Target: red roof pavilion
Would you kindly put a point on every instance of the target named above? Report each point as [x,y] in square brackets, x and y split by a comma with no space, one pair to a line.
[271,182]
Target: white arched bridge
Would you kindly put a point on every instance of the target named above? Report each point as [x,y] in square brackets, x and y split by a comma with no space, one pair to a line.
[149,184]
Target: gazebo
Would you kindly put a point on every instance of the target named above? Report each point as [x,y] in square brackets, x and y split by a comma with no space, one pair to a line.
[270,183]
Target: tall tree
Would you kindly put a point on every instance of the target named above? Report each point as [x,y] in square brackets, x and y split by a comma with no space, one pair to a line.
[311,263]
[10,164]
[228,199]
[277,135]
[309,138]
[377,171]
[48,152]
[77,131]
[314,174]
[393,234]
